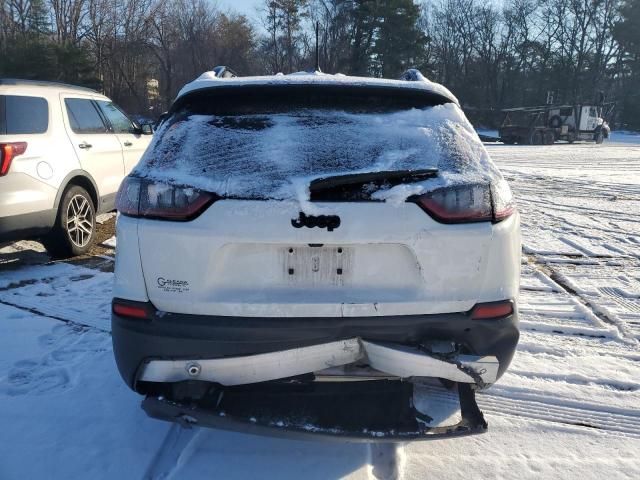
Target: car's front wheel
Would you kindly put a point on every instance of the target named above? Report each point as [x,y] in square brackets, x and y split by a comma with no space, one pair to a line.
[75,227]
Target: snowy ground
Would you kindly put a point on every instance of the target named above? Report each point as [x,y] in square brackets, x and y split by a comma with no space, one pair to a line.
[569,406]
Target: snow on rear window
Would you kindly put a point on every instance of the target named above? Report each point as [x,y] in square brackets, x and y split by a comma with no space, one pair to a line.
[276,155]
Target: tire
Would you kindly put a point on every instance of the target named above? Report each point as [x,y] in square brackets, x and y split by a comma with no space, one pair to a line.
[599,137]
[75,228]
[509,140]
[549,138]
[555,121]
[536,138]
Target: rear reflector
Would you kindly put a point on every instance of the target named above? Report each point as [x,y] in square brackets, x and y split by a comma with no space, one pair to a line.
[8,151]
[130,311]
[485,311]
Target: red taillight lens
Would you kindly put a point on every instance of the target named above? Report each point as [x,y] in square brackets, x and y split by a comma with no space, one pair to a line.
[139,197]
[131,310]
[8,151]
[458,204]
[468,203]
[486,311]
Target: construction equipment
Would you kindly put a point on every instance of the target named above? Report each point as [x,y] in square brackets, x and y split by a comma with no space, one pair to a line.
[549,123]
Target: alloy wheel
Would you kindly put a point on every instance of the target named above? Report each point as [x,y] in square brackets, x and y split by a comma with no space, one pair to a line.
[79,220]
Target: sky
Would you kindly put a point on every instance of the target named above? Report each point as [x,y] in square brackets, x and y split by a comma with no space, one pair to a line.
[246,7]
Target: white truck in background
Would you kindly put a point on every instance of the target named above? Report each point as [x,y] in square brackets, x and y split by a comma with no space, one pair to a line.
[549,123]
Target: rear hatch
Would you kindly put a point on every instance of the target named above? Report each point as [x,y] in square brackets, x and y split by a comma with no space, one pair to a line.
[308,214]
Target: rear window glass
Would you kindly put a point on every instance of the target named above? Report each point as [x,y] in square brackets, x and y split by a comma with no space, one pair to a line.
[21,115]
[273,147]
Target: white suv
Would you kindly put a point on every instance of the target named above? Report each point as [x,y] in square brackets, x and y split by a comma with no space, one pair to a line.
[63,152]
[305,252]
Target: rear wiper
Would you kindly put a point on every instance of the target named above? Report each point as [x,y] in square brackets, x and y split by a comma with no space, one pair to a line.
[392,177]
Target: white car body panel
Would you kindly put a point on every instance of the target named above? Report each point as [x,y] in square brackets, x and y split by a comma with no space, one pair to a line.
[36,177]
[233,260]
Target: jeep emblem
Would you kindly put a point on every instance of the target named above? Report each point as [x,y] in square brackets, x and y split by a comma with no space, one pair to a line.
[329,222]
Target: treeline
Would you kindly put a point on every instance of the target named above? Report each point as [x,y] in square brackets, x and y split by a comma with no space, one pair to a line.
[490,56]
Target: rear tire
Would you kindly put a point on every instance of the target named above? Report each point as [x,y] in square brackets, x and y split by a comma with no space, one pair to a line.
[555,121]
[75,227]
[509,140]
[599,138]
[549,138]
[536,138]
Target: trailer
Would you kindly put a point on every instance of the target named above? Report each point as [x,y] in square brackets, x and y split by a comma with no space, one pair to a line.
[549,123]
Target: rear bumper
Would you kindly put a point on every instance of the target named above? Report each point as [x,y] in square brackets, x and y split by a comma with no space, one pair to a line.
[176,338]
[27,225]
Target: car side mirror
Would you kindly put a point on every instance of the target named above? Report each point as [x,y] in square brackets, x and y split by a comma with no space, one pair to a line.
[146,129]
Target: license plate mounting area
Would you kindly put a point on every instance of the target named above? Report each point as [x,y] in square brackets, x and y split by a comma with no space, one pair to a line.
[329,265]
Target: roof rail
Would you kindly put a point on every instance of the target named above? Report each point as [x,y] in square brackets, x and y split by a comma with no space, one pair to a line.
[412,75]
[43,83]
[224,72]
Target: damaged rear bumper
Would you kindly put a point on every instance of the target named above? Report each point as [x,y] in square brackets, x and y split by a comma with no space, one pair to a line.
[395,360]
[350,378]
[368,411]
[164,346]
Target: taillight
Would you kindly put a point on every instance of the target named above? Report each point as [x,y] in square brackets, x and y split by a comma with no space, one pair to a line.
[491,310]
[502,200]
[458,204]
[468,203]
[129,309]
[139,197]
[8,151]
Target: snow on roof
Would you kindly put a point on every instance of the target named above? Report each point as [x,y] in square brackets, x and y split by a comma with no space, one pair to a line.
[209,80]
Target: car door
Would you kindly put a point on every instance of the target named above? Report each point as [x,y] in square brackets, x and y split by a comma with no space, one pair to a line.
[133,141]
[98,149]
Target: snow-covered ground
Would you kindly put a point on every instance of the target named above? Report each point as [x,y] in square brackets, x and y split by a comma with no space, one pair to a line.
[569,407]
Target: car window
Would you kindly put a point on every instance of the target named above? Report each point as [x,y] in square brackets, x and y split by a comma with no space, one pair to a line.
[84,116]
[23,115]
[119,121]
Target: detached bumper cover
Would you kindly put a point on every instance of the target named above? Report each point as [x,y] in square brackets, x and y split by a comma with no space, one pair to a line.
[371,411]
[396,360]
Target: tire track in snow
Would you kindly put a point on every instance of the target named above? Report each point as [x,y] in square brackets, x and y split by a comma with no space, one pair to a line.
[35,311]
[176,449]
[386,461]
[594,308]
[560,284]
[585,415]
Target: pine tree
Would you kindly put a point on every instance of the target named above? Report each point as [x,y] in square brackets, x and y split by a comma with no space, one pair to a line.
[399,44]
[627,34]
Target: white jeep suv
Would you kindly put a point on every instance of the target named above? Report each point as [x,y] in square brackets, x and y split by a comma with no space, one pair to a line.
[63,152]
[306,253]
